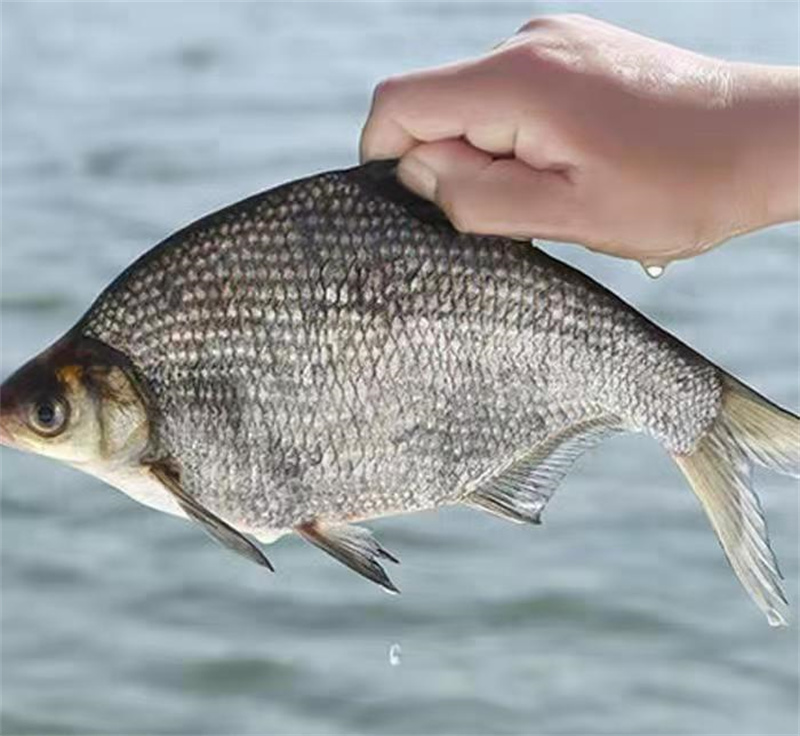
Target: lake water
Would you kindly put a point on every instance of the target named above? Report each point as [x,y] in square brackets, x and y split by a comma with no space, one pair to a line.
[122,121]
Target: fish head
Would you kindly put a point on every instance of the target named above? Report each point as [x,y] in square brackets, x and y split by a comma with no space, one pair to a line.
[78,402]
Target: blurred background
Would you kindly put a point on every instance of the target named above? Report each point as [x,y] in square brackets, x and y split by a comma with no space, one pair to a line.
[122,121]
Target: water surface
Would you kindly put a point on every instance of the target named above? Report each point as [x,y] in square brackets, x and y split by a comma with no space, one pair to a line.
[122,121]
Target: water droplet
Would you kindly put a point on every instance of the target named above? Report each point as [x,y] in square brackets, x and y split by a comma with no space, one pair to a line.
[774,618]
[395,654]
[653,270]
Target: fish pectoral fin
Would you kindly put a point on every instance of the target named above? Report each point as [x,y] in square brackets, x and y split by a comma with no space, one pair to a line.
[353,546]
[215,527]
[519,490]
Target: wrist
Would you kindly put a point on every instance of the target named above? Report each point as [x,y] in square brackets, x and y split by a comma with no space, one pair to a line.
[765,107]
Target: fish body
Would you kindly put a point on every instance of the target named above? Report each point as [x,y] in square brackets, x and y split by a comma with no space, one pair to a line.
[332,350]
[310,369]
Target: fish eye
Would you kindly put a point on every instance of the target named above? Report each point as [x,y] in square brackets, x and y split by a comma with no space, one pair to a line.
[48,417]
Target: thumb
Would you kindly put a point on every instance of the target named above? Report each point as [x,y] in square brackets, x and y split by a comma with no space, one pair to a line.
[490,196]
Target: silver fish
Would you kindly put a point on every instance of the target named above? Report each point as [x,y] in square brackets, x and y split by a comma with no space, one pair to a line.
[333,350]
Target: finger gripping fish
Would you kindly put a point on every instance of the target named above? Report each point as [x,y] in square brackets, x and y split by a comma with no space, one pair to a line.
[333,350]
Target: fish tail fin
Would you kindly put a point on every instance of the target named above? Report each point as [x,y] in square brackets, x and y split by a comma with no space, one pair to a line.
[748,429]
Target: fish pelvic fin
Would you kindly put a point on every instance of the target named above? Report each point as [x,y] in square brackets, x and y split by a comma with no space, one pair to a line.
[519,490]
[211,524]
[748,429]
[353,546]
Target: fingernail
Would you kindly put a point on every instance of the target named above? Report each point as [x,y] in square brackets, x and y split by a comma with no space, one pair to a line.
[417,176]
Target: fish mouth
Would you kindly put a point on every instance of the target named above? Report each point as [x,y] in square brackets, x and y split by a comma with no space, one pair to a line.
[5,436]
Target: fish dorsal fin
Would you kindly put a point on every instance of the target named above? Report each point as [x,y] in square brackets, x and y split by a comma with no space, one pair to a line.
[380,177]
[215,527]
[353,546]
[519,490]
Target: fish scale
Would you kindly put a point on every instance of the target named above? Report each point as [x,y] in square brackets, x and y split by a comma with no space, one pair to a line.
[380,331]
[333,350]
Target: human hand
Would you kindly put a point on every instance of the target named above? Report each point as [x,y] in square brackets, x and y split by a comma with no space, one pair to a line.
[577,130]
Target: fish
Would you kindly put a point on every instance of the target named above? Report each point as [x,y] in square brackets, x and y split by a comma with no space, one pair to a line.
[333,350]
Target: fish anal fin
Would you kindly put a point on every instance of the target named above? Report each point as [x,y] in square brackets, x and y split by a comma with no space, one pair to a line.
[519,490]
[215,527]
[353,546]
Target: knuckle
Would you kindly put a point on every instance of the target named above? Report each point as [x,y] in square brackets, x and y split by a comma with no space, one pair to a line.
[385,91]
[538,23]
[554,22]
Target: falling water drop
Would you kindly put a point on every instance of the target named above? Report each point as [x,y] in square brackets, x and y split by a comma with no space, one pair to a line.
[653,270]
[774,618]
[395,653]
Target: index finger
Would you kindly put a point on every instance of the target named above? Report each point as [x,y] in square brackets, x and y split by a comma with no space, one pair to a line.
[425,106]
